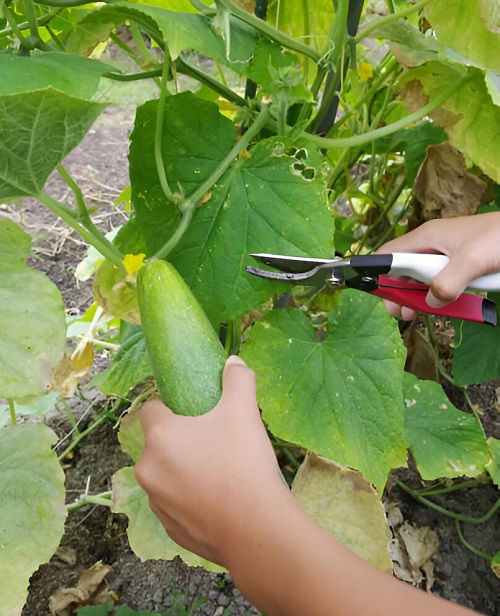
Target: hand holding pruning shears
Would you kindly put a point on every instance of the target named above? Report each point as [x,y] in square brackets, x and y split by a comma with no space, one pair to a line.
[470,250]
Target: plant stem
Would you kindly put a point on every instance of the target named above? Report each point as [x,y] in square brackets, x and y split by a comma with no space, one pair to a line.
[269,31]
[472,483]
[160,167]
[83,213]
[104,498]
[11,20]
[470,547]
[183,67]
[65,3]
[41,21]
[189,205]
[134,76]
[451,514]
[346,142]
[61,210]
[31,16]
[12,411]
[54,37]
[390,5]
[382,21]
[81,435]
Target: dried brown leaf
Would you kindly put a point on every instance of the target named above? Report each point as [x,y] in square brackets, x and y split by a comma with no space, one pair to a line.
[92,589]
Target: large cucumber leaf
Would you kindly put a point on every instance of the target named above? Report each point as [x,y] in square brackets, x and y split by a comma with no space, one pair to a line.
[32,320]
[341,396]
[74,75]
[343,503]
[465,26]
[469,116]
[271,200]
[147,537]
[32,513]
[37,130]
[476,355]
[444,441]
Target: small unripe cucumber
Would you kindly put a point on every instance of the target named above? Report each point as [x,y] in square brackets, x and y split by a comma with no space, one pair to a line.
[185,352]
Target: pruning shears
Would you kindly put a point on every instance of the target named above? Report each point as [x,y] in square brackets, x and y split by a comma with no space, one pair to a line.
[368,273]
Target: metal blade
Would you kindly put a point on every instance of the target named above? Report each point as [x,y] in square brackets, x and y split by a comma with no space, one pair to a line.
[291,264]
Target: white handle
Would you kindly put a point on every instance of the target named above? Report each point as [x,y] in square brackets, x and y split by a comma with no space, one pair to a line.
[424,268]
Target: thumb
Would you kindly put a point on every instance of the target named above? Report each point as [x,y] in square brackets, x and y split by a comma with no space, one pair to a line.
[238,383]
[450,282]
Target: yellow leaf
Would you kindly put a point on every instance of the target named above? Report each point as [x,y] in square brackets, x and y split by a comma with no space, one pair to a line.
[133,263]
[364,71]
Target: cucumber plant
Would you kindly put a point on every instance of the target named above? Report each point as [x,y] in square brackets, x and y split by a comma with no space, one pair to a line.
[304,136]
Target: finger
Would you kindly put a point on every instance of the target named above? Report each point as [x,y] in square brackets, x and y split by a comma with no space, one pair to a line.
[238,383]
[408,314]
[425,238]
[392,308]
[152,414]
[451,281]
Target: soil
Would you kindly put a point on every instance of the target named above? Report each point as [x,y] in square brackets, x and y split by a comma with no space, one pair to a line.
[93,533]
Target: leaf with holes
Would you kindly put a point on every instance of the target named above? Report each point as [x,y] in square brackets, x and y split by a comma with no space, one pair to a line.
[33,511]
[274,200]
[444,441]
[340,396]
[146,535]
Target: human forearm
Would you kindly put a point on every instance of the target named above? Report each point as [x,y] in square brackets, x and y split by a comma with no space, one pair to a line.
[287,565]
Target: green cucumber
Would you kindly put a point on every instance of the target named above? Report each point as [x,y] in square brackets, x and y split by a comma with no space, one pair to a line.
[185,352]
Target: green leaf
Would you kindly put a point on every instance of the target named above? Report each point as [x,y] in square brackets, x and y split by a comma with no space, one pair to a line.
[38,129]
[129,367]
[469,116]
[408,44]
[444,441]
[344,504]
[458,24]
[15,244]
[33,511]
[273,201]
[147,537]
[74,75]
[476,358]
[493,466]
[489,11]
[190,31]
[340,396]
[32,323]
[310,22]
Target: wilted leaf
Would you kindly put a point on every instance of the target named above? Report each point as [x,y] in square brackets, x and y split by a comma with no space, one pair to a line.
[343,503]
[92,589]
[341,396]
[33,511]
[274,201]
[30,121]
[115,294]
[469,116]
[461,25]
[444,188]
[444,441]
[130,435]
[420,358]
[146,535]
[475,356]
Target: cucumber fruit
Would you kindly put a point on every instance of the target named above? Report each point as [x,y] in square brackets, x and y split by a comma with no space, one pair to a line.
[185,352]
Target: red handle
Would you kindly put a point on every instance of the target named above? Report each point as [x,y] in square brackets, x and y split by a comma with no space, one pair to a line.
[412,294]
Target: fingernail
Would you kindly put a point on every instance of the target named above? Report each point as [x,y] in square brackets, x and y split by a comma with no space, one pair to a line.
[234,359]
[433,301]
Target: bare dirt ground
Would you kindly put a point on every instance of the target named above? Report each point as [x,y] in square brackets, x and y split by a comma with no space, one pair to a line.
[93,533]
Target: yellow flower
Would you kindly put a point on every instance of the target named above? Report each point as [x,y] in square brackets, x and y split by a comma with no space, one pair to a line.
[133,263]
[365,71]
